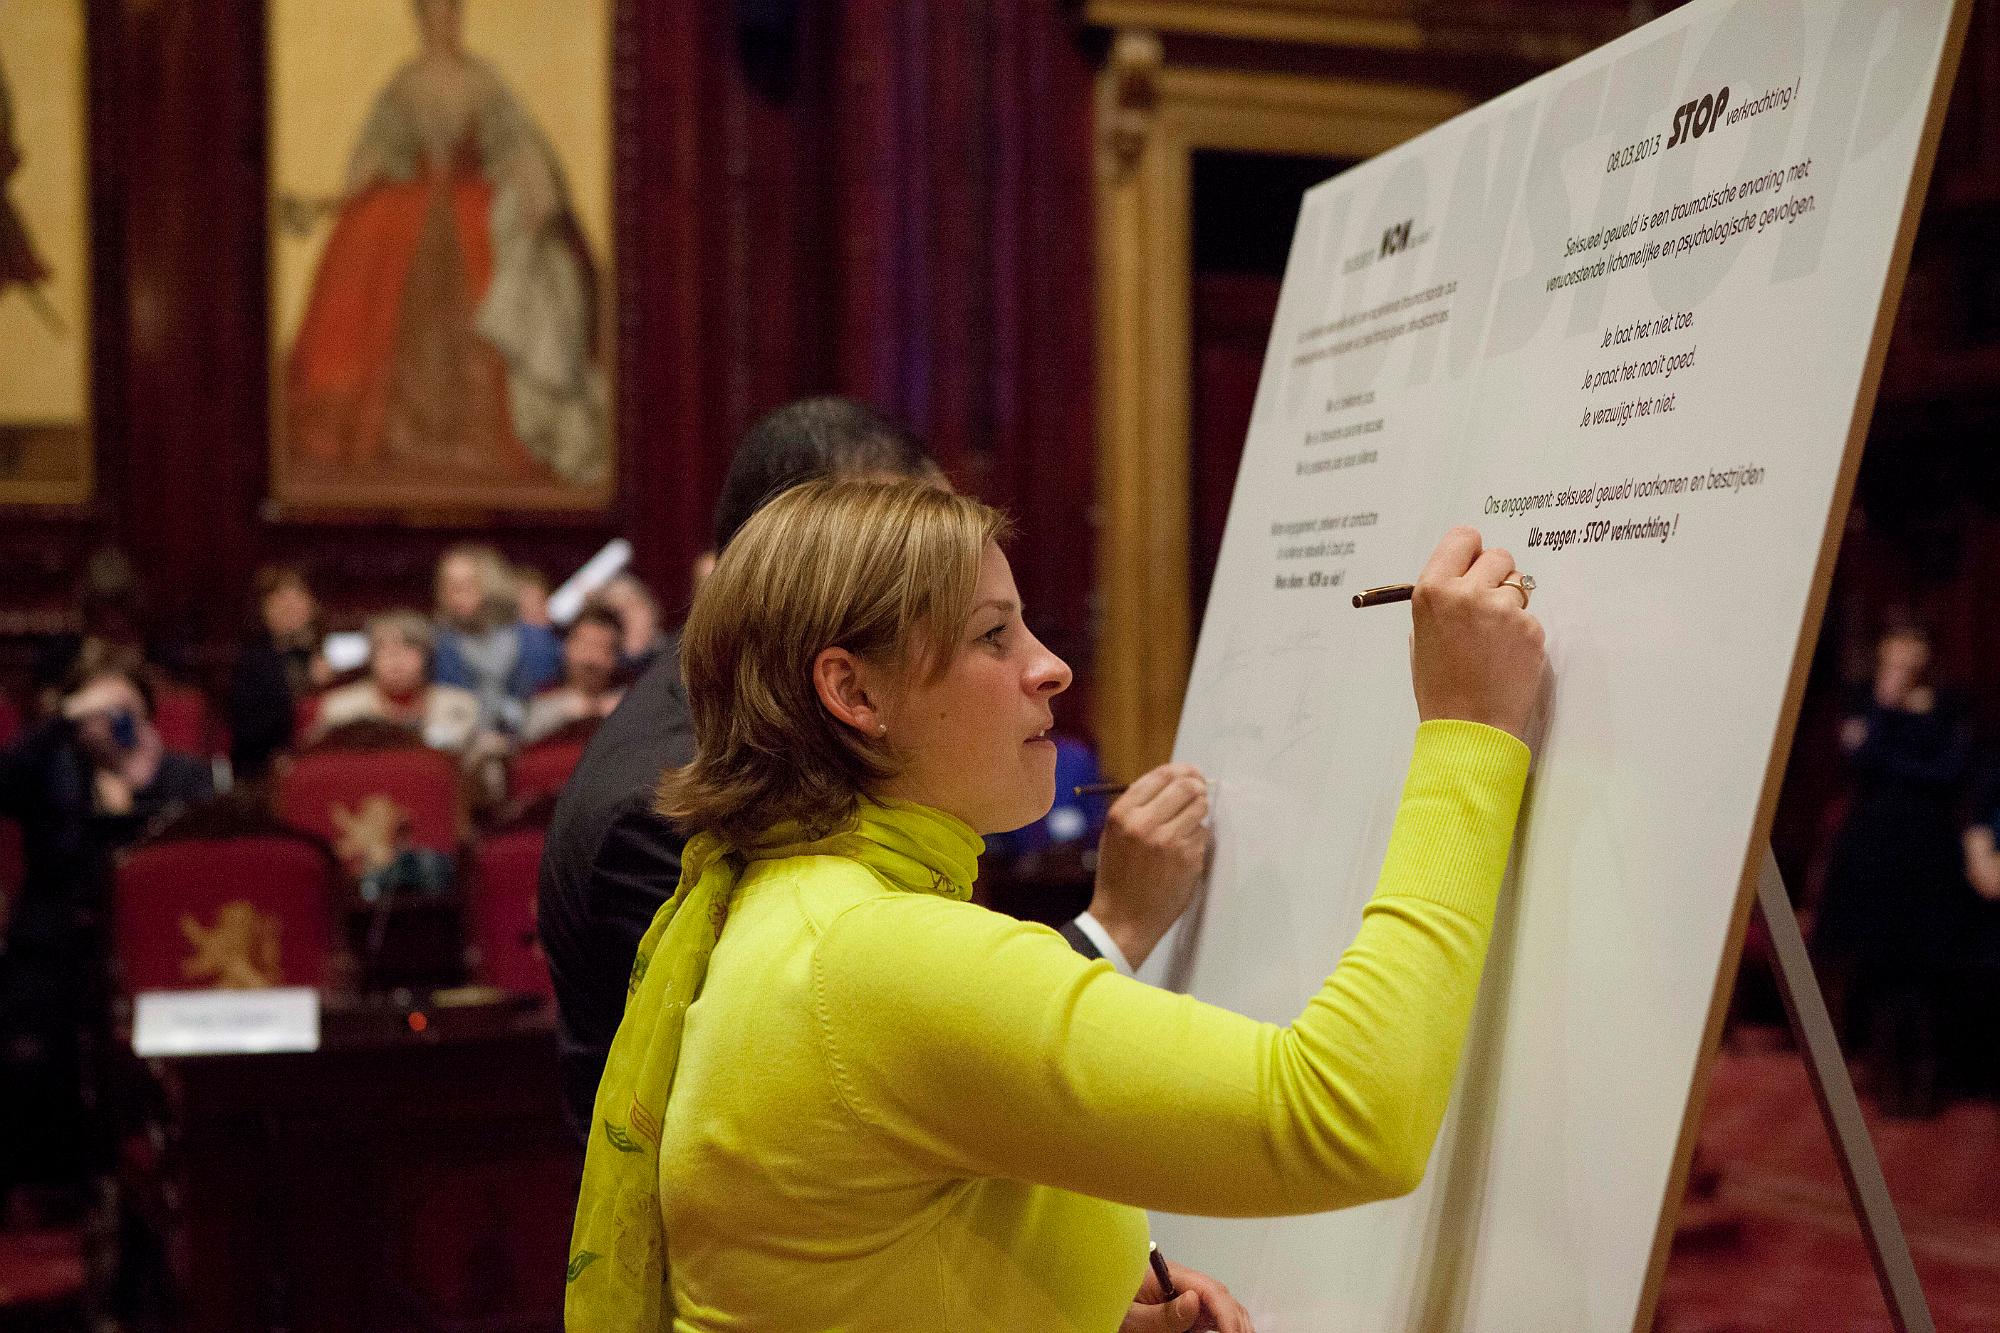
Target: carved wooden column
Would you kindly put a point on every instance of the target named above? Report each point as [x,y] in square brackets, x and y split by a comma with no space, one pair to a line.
[1152,117]
[1142,298]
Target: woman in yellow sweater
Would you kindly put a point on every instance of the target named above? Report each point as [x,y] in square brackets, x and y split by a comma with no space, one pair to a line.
[843,1097]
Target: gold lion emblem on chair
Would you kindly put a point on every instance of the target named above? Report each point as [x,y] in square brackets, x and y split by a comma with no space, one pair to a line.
[369,835]
[240,952]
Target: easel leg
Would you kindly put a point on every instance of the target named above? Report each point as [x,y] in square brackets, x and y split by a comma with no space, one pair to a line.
[1835,1091]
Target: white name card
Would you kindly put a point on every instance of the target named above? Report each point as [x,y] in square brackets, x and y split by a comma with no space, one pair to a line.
[225,1022]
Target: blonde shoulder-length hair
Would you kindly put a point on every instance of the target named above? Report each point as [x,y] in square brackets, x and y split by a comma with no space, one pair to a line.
[886,570]
[499,593]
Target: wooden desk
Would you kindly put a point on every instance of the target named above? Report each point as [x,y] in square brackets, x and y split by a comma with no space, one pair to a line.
[393,1179]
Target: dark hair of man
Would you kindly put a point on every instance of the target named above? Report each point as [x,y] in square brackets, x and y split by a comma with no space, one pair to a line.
[271,578]
[597,613]
[808,439]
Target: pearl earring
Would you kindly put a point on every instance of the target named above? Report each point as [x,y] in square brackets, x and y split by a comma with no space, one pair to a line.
[881,728]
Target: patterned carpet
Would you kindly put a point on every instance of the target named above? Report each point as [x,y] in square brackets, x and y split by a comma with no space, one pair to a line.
[1774,1244]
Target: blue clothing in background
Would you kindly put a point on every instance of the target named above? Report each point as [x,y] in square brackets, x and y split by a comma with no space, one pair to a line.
[1072,818]
[536,663]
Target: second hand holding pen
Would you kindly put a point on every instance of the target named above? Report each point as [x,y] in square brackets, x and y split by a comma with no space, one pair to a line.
[1168,1291]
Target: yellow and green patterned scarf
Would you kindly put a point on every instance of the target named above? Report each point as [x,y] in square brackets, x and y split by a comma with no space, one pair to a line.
[618,1260]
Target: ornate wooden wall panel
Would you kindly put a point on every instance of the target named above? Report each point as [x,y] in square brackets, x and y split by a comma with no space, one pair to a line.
[963,238]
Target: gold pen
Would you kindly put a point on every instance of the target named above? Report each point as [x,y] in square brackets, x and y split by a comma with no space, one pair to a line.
[1384,595]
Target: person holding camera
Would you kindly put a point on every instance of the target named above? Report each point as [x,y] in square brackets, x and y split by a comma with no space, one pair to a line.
[84,783]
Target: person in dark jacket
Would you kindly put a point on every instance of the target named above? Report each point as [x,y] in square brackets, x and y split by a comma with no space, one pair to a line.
[278,665]
[1895,887]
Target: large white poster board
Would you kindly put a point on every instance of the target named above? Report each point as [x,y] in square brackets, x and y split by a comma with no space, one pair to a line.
[1626,320]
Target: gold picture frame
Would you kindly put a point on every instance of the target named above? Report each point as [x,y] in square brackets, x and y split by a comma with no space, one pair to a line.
[441,304]
[47,452]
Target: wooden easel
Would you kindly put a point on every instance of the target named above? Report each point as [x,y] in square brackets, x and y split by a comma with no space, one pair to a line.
[1825,1066]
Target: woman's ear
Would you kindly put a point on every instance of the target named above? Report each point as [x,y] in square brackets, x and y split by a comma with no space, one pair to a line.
[848,691]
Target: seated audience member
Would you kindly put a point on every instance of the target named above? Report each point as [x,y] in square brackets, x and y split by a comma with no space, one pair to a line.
[278,665]
[611,860]
[1885,928]
[84,783]
[399,688]
[590,670]
[842,1096]
[639,616]
[482,644]
[531,596]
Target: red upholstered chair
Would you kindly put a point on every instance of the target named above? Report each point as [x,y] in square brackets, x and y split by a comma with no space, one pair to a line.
[305,712]
[327,791]
[10,720]
[12,866]
[41,1278]
[202,913]
[502,892]
[11,859]
[10,832]
[542,768]
[180,715]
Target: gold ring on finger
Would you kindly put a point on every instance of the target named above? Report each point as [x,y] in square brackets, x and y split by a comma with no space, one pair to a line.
[1521,583]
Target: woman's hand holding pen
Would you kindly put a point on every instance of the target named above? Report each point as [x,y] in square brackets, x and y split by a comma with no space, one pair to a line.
[1203,1303]
[1476,653]
[1154,848]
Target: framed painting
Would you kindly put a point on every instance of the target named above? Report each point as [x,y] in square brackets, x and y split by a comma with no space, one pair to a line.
[45,310]
[441,291]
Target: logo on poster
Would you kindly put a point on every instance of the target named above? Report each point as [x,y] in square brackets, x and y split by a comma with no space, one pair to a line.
[1693,118]
[1400,237]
